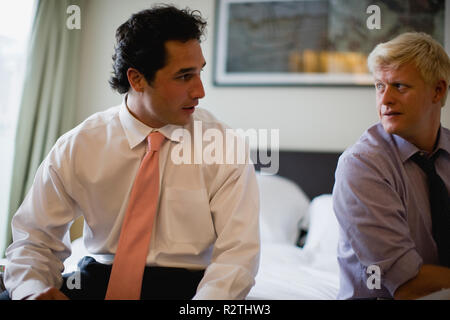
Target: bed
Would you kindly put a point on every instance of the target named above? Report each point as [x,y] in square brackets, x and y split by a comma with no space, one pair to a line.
[299,232]
[296,210]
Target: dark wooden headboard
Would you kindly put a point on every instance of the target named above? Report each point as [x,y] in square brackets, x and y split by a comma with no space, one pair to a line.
[312,171]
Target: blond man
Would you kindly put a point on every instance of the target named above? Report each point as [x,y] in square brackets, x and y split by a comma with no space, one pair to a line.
[394,220]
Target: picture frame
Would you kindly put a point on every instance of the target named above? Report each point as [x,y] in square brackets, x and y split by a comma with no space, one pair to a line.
[312,42]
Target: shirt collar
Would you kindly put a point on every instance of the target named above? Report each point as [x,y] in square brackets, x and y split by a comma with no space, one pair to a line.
[136,131]
[444,142]
[407,149]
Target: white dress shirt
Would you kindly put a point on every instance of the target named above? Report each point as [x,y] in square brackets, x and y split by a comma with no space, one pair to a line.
[207,215]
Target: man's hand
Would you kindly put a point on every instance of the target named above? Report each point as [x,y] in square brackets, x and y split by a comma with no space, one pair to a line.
[49,294]
[431,278]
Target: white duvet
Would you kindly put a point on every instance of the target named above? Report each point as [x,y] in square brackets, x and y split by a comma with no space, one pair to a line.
[290,273]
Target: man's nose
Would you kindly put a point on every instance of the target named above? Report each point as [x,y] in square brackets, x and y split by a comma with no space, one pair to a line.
[387,96]
[197,90]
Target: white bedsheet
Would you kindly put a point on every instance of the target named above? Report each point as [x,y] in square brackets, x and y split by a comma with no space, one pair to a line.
[288,272]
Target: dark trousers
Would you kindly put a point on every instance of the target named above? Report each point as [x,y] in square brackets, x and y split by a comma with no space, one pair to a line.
[90,282]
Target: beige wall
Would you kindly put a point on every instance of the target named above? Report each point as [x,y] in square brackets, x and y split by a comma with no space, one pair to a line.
[308,118]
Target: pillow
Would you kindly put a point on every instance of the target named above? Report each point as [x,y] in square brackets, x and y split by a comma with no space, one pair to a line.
[323,231]
[282,206]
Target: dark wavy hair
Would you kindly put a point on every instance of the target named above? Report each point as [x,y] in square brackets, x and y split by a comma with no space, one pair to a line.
[141,41]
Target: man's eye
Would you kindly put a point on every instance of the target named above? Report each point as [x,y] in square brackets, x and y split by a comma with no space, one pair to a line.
[379,86]
[185,77]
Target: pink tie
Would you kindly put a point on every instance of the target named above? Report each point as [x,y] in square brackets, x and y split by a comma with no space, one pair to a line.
[125,281]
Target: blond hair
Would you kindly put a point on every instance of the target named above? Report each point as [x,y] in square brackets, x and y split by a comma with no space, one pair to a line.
[429,57]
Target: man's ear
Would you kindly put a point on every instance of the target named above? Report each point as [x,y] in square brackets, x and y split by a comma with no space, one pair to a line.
[440,90]
[136,79]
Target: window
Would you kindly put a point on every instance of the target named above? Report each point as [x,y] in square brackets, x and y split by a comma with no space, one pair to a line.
[16,18]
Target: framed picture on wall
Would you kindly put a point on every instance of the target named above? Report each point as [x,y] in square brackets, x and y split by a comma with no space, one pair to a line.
[312,42]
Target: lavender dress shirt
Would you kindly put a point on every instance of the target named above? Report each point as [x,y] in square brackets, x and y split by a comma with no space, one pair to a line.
[381,202]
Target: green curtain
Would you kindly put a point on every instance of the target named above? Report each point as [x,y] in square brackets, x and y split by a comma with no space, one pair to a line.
[47,108]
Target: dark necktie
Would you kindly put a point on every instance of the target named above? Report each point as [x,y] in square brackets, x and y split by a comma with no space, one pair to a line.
[439,205]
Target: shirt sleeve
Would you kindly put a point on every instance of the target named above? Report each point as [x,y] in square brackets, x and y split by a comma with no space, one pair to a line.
[373,218]
[235,256]
[40,234]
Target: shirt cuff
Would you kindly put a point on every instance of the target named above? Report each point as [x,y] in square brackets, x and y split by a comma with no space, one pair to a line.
[404,269]
[27,288]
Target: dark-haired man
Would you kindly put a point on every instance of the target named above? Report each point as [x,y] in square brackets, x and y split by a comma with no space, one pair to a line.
[203,238]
